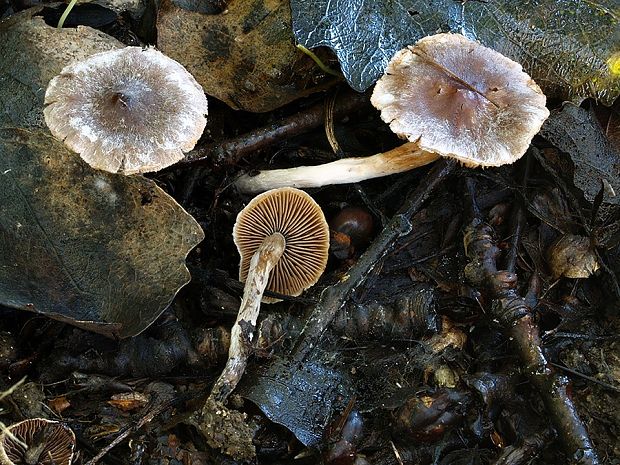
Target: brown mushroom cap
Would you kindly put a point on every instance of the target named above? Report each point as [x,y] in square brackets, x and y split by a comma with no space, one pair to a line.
[460,99]
[57,449]
[131,110]
[296,216]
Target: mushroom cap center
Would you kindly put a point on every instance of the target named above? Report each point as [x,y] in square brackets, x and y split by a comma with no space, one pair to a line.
[128,104]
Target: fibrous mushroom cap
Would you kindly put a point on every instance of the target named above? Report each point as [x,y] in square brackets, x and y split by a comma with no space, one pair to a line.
[460,99]
[131,110]
[57,450]
[296,216]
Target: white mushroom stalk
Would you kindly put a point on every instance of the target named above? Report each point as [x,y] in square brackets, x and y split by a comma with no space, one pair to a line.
[347,170]
[242,333]
[283,239]
[448,96]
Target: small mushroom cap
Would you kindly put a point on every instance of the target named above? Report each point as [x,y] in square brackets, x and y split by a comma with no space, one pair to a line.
[58,448]
[460,99]
[131,110]
[294,214]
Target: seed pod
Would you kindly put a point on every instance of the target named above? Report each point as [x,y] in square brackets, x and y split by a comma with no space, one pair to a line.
[356,223]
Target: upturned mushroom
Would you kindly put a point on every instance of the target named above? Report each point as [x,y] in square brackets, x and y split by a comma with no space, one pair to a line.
[448,96]
[130,110]
[37,441]
[283,239]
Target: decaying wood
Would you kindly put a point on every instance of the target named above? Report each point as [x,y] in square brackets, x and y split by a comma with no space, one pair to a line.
[514,314]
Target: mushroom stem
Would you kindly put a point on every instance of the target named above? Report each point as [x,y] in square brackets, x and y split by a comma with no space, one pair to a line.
[347,170]
[263,261]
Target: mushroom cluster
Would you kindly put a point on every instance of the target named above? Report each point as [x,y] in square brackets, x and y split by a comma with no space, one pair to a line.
[283,239]
[448,96]
[130,110]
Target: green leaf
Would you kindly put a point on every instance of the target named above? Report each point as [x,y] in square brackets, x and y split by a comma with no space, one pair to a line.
[101,251]
[570,47]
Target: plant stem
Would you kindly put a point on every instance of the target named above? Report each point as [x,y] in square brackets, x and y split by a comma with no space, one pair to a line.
[347,170]
[326,69]
[65,13]
[263,261]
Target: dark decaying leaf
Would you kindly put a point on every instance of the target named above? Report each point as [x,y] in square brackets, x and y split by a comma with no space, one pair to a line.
[245,57]
[567,46]
[100,251]
[304,397]
[577,132]
[31,54]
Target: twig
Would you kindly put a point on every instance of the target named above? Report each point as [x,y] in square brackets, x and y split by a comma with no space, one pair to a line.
[334,297]
[3,427]
[330,132]
[615,284]
[589,378]
[513,313]
[150,415]
[396,453]
[230,152]
[12,389]
[511,259]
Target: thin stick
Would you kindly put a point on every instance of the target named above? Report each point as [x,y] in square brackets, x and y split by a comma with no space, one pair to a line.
[154,412]
[344,171]
[589,378]
[230,152]
[334,297]
[263,261]
[519,222]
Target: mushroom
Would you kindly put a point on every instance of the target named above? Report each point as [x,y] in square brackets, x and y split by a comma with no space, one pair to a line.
[448,96]
[283,239]
[129,110]
[37,441]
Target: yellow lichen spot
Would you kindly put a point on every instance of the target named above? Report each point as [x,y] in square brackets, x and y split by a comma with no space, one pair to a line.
[614,64]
